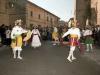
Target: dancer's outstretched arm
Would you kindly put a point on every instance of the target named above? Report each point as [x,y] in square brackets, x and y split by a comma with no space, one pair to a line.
[65,34]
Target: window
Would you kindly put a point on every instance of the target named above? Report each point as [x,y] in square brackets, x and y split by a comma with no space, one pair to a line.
[31,13]
[51,20]
[39,16]
[11,4]
[57,20]
[47,18]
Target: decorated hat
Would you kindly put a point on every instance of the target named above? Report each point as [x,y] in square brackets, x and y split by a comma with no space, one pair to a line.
[18,22]
[74,23]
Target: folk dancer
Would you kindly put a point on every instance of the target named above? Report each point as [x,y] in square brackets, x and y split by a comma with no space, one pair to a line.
[88,39]
[55,36]
[36,38]
[74,33]
[16,37]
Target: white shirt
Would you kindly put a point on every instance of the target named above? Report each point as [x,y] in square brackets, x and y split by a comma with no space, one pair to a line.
[87,32]
[73,31]
[36,31]
[17,30]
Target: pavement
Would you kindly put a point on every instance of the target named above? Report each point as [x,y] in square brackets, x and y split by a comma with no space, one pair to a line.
[91,55]
[2,48]
[46,60]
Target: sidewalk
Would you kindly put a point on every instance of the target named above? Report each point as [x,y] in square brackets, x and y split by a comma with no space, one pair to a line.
[94,55]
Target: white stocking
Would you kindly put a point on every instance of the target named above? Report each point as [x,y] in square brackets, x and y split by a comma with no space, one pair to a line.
[87,45]
[19,52]
[14,53]
[72,48]
[91,46]
[73,54]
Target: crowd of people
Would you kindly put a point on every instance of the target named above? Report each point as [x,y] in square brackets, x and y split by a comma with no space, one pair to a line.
[57,35]
[44,32]
[5,37]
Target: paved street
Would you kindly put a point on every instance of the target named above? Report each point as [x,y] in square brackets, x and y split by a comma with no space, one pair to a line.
[94,55]
[46,60]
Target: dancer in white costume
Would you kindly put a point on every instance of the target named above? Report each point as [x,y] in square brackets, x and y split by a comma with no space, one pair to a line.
[17,38]
[74,37]
[35,39]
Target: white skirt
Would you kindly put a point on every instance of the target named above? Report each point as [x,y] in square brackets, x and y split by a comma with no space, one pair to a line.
[36,41]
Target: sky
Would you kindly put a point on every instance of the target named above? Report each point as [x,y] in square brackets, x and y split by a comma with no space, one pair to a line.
[61,8]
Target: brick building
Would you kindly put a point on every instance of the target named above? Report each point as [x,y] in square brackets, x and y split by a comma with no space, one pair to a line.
[30,13]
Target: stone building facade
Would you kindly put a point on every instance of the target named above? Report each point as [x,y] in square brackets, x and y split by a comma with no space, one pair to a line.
[95,6]
[17,10]
[10,10]
[37,16]
[3,12]
[88,9]
[81,11]
[30,13]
